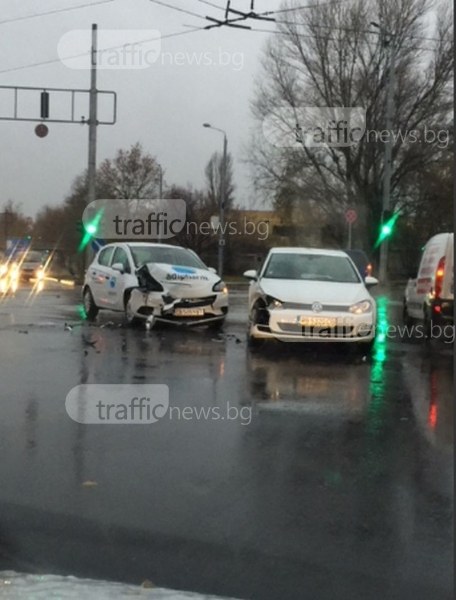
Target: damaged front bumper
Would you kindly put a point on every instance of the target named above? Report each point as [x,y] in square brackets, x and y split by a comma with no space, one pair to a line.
[158,307]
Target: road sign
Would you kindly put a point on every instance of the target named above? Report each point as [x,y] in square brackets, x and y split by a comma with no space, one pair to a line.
[41,130]
[351,216]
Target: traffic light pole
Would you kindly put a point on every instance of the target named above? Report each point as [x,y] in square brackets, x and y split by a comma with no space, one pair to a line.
[387,169]
[92,161]
[221,247]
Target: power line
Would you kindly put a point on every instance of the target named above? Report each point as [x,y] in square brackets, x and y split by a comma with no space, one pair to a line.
[353,30]
[57,60]
[324,37]
[52,12]
[211,4]
[178,9]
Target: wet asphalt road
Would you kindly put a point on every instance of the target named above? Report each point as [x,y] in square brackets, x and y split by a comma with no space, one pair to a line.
[334,481]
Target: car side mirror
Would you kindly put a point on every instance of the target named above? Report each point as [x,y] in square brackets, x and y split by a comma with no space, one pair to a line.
[251,274]
[118,267]
[212,270]
[370,281]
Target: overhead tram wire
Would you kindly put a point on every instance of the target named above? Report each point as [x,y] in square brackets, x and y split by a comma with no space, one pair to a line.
[57,60]
[55,11]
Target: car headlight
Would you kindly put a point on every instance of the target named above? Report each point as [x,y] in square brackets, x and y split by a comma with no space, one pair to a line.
[220,286]
[40,274]
[273,302]
[361,307]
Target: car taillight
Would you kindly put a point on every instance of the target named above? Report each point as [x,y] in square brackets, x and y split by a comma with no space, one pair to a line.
[440,272]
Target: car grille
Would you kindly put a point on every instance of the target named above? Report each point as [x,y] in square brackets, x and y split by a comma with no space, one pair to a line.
[325,307]
[195,302]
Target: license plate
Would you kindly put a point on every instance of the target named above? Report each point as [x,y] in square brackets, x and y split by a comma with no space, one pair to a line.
[189,312]
[324,322]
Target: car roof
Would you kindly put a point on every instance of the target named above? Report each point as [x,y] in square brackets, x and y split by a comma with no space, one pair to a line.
[141,244]
[297,250]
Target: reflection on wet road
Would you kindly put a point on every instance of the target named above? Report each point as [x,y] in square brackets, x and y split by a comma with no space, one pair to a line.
[338,486]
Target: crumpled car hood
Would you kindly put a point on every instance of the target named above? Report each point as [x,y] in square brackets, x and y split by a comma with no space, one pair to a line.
[183,282]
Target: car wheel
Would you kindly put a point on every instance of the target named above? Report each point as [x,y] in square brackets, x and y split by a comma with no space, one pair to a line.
[364,348]
[90,308]
[216,325]
[431,329]
[252,342]
[130,316]
[406,318]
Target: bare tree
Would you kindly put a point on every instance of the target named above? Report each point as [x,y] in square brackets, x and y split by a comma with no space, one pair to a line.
[131,174]
[330,55]
[13,222]
[213,172]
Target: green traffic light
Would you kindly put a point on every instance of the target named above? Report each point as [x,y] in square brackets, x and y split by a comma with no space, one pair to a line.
[90,230]
[387,229]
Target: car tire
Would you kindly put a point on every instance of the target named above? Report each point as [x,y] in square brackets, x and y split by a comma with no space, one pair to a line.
[90,308]
[364,348]
[430,325]
[130,318]
[406,318]
[216,325]
[252,342]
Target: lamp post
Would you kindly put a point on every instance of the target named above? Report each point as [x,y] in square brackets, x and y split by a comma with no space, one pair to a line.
[222,198]
[160,192]
[387,169]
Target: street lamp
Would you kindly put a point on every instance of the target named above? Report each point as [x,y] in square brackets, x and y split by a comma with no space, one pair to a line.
[386,200]
[222,200]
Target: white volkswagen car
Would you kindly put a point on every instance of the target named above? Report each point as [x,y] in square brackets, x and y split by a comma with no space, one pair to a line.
[306,295]
[153,283]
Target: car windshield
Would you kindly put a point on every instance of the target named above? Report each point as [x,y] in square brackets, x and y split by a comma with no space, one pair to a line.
[33,256]
[312,267]
[165,254]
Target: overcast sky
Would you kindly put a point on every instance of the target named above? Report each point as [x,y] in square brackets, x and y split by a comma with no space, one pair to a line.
[162,106]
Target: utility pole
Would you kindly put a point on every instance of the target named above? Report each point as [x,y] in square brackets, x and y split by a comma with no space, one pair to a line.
[92,162]
[223,198]
[223,182]
[388,38]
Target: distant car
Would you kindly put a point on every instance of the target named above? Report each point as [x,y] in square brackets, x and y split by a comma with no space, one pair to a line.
[430,296]
[9,276]
[361,260]
[307,295]
[31,264]
[155,283]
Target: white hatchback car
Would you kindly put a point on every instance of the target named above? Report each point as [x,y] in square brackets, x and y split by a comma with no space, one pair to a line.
[153,283]
[308,295]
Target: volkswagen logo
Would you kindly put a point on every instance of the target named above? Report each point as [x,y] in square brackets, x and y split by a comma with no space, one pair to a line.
[317,307]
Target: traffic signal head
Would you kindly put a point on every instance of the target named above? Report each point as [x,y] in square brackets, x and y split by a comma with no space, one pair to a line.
[90,230]
[387,227]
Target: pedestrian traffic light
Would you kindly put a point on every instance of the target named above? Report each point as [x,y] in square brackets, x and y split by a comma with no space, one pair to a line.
[389,219]
[90,230]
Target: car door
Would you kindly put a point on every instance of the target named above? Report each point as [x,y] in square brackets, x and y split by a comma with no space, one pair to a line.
[98,275]
[120,280]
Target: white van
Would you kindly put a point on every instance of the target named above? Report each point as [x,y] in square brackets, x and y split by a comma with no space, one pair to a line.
[430,296]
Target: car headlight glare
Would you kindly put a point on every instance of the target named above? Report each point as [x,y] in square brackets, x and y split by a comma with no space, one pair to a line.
[361,307]
[273,302]
[220,286]
[3,270]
